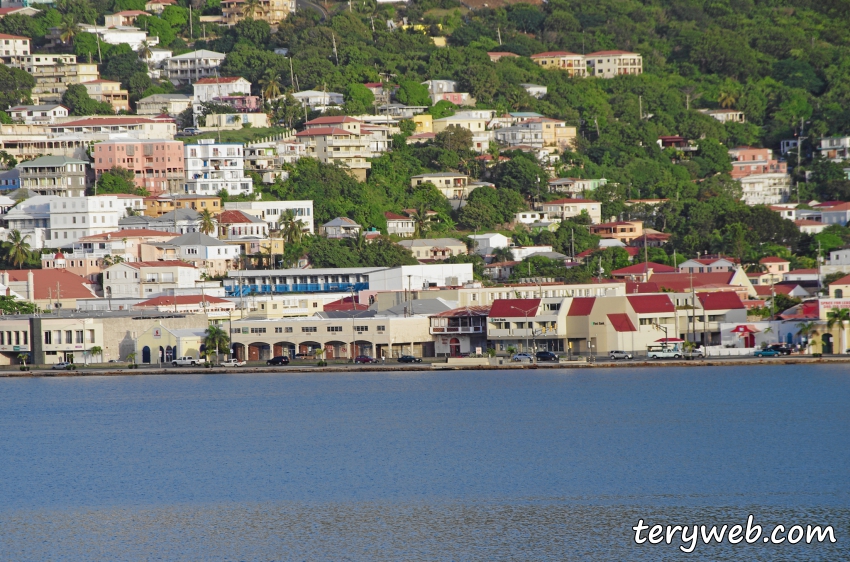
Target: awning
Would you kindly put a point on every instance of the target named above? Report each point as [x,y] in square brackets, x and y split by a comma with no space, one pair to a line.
[669,340]
[743,329]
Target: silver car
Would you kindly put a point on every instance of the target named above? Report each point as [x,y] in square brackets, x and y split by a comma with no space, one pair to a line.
[619,355]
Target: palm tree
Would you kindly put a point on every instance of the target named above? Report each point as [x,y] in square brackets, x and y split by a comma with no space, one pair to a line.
[145,52]
[97,350]
[270,84]
[19,248]
[208,222]
[131,357]
[839,316]
[502,254]
[727,99]
[420,221]
[68,30]
[112,260]
[358,242]
[805,330]
[216,339]
[290,228]
[251,7]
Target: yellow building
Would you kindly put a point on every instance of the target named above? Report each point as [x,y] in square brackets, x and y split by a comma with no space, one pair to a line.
[571,63]
[159,205]
[424,123]
[159,344]
[109,91]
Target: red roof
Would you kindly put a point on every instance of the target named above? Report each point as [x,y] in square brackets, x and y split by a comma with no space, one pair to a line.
[219,80]
[621,322]
[465,311]
[58,256]
[105,121]
[581,306]
[131,13]
[164,263]
[647,304]
[324,131]
[7,36]
[507,308]
[182,299]
[45,281]
[803,272]
[673,280]
[332,120]
[555,54]
[606,53]
[234,217]
[641,268]
[502,53]
[129,233]
[394,217]
[346,303]
[720,300]
[7,11]
[843,281]
[807,222]
[773,259]
[838,207]
[633,288]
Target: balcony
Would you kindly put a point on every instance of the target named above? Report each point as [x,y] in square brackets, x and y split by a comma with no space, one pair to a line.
[457,330]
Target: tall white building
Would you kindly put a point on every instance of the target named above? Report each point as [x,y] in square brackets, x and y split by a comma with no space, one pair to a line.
[72,218]
[192,66]
[211,167]
[272,211]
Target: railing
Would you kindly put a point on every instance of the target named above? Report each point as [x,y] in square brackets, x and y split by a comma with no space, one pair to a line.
[266,289]
[457,330]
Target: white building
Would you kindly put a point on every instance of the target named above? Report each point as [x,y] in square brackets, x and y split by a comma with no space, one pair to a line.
[535,90]
[273,211]
[212,167]
[149,279]
[725,115]
[14,49]
[318,100]
[836,149]
[486,243]
[567,208]
[190,67]
[37,114]
[132,36]
[72,218]
[31,217]
[608,64]
[765,189]
[206,89]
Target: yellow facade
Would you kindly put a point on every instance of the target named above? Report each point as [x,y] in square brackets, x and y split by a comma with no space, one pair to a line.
[161,345]
[158,206]
[424,123]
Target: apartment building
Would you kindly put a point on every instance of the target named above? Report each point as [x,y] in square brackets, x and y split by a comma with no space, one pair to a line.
[836,149]
[434,249]
[37,114]
[109,91]
[129,126]
[347,147]
[156,164]
[191,67]
[562,209]
[206,89]
[54,72]
[764,180]
[747,161]
[55,175]
[400,225]
[571,63]
[212,167]
[157,104]
[273,211]
[210,255]
[576,186]
[156,206]
[624,231]
[149,279]
[124,18]
[271,11]
[14,49]
[608,64]
[538,133]
[72,218]
[318,100]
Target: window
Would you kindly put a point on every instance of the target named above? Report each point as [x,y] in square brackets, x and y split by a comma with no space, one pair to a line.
[89,336]
[48,339]
[79,335]
[69,336]
[258,330]
[278,330]
[381,328]
[309,329]
[334,328]
[287,330]
[361,328]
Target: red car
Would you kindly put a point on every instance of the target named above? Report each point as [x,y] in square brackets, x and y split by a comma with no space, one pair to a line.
[364,359]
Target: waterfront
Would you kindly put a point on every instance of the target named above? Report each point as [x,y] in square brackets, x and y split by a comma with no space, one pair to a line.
[548,464]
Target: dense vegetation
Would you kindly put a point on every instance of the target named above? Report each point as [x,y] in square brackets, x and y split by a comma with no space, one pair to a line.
[785,63]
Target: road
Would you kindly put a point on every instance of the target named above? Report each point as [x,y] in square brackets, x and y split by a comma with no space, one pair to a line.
[302,4]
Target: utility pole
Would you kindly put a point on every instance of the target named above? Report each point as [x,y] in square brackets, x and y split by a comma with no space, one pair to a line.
[333,37]
[693,310]
[499,32]
[190,21]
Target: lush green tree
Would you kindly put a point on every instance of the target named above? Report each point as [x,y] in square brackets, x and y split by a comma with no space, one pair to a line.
[411,92]
[15,86]
[480,80]
[325,252]
[358,99]
[76,98]
[383,252]
[123,66]
[9,304]
[18,249]
[454,138]
[118,180]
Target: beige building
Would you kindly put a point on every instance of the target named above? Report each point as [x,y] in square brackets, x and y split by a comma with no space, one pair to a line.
[272,11]
[14,49]
[344,145]
[129,125]
[157,104]
[109,91]
[567,208]
[53,74]
[608,64]
[434,249]
[571,63]
[625,231]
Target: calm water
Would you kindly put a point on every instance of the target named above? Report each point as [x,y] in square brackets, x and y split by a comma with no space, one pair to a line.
[545,465]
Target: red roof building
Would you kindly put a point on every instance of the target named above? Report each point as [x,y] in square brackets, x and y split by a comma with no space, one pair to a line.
[514,308]
[651,304]
[621,322]
[581,306]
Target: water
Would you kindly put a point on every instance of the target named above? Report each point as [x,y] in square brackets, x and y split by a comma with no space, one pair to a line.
[518,465]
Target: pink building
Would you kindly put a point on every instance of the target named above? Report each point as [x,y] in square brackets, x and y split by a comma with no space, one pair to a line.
[157,164]
[242,104]
[747,161]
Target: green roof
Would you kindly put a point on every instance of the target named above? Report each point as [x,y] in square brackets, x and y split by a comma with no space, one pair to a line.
[50,162]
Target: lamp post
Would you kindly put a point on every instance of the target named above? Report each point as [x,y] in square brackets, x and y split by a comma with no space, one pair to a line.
[525,313]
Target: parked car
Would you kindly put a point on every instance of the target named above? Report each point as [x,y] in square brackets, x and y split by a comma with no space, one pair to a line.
[781,348]
[63,365]
[279,360]
[305,356]
[546,356]
[617,354]
[522,358]
[233,363]
[767,352]
[365,359]
[409,359]
[190,131]
[115,361]
[184,362]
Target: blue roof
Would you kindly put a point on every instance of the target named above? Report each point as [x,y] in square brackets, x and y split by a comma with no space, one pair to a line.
[525,114]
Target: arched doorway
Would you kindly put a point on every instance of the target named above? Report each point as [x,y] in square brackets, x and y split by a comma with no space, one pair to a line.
[827,344]
[454,347]
[161,354]
[146,354]
[239,351]
[259,351]
[285,348]
[169,354]
[336,350]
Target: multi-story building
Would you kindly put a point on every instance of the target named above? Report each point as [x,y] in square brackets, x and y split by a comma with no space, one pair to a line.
[132,36]
[156,206]
[157,6]
[725,115]
[400,225]
[238,225]
[37,114]
[571,63]
[747,161]
[72,218]
[181,221]
[340,227]
[764,180]
[125,126]
[434,249]
[272,11]
[624,231]
[109,91]
[242,104]
[836,149]
[273,211]
[210,255]
[212,167]
[156,164]
[124,18]
[336,145]
[576,186]
[608,64]
[14,49]
[206,89]
[55,175]
[157,104]
[53,73]
[539,133]
[149,279]
[562,209]
[317,100]
[31,217]
[191,67]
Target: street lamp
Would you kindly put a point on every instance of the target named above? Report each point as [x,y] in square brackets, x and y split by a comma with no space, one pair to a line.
[525,313]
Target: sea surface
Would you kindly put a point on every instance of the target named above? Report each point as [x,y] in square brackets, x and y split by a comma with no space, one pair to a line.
[490,465]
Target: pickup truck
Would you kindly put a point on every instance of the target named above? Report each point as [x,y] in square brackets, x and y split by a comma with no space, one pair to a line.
[233,363]
[184,362]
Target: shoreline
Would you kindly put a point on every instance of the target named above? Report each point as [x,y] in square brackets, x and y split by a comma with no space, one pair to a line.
[348,368]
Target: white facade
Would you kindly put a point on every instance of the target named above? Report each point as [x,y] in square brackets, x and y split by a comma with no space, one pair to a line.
[486,243]
[72,218]
[567,208]
[318,100]
[836,149]
[31,217]
[13,48]
[415,277]
[272,211]
[37,114]
[608,64]
[149,279]
[132,36]
[765,189]
[211,167]
[208,88]
[192,66]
